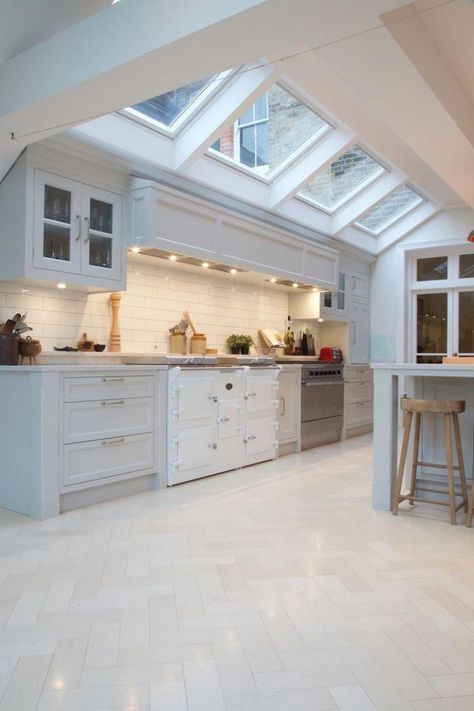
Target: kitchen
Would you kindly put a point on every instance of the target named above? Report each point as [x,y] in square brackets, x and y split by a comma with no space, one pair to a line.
[187,527]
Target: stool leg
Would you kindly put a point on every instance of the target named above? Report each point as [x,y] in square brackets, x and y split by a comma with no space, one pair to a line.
[462,471]
[416,447]
[407,420]
[470,511]
[449,462]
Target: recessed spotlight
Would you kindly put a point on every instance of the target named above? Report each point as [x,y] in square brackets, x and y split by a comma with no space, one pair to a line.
[173,257]
[295,285]
[24,291]
[233,271]
[61,285]
[273,280]
[320,320]
[314,289]
[205,265]
[135,249]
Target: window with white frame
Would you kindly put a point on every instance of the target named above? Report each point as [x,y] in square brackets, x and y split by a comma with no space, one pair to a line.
[442,303]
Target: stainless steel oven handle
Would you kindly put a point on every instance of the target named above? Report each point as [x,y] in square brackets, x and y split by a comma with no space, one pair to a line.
[325,382]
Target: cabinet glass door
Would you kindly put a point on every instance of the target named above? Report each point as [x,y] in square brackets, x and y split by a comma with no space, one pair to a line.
[101,252]
[57,223]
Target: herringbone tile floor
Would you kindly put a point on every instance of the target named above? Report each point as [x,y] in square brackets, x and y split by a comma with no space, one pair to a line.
[275,588]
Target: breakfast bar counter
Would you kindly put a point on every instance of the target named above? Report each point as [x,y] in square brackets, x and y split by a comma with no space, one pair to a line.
[430,381]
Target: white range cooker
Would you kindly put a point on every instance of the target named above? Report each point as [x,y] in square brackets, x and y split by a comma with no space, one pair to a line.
[220,418]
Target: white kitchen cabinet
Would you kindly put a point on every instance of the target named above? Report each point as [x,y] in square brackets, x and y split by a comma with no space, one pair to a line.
[334,304]
[358,400]
[359,285]
[77,228]
[58,227]
[359,346]
[304,305]
[289,406]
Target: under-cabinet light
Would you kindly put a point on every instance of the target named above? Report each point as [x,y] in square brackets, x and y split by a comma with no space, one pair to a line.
[233,271]
[205,265]
[273,280]
[61,285]
[173,257]
[295,285]
[135,249]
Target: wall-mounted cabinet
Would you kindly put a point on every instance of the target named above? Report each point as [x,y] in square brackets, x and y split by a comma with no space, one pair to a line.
[58,228]
[165,219]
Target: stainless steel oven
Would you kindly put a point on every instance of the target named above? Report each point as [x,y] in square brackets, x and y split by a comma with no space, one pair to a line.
[322,403]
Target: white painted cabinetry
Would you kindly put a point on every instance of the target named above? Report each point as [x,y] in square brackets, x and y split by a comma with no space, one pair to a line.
[359,347]
[289,409]
[358,402]
[57,227]
[220,419]
[107,433]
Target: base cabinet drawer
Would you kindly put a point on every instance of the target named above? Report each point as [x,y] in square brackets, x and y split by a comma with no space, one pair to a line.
[357,392]
[102,459]
[99,419]
[356,374]
[357,413]
[107,387]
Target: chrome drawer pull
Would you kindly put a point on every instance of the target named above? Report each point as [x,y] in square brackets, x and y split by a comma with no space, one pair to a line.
[105,403]
[212,445]
[113,380]
[214,398]
[223,419]
[106,442]
[247,395]
[249,437]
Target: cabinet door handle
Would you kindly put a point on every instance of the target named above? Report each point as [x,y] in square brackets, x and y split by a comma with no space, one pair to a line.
[118,440]
[212,445]
[88,236]
[249,437]
[353,333]
[113,380]
[247,395]
[214,398]
[79,228]
[106,403]
[223,419]
[283,405]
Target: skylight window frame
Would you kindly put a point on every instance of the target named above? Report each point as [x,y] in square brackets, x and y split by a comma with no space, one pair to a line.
[352,194]
[217,83]
[396,217]
[283,165]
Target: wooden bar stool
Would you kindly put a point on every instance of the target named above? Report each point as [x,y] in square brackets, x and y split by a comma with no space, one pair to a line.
[450,409]
[470,509]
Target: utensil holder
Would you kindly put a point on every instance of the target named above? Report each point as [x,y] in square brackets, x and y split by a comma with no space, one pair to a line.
[8,349]
[178,343]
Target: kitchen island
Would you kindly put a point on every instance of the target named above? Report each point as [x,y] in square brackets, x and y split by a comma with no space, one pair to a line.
[437,382]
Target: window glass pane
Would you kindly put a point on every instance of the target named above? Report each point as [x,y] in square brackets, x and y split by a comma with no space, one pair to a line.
[166,108]
[262,144]
[390,209]
[57,204]
[101,216]
[341,300]
[247,146]
[327,299]
[429,359]
[466,322]
[342,281]
[431,268]
[432,312]
[466,266]
[289,123]
[342,178]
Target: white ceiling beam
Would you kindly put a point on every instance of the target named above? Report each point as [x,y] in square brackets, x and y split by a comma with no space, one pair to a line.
[358,239]
[365,200]
[307,215]
[311,162]
[221,111]
[400,229]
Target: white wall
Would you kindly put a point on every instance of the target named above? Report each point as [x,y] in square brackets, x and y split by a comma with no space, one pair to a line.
[157,294]
[387,322]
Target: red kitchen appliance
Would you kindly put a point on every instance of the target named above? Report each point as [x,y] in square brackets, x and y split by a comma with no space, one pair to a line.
[328,354]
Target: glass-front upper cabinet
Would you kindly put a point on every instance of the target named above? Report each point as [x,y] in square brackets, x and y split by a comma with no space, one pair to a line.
[57,223]
[336,302]
[101,246]
[77,228]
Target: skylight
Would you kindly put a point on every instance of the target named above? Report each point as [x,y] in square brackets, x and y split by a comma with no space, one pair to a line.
[270,131]
[389,210]
[341,180]
[168,109]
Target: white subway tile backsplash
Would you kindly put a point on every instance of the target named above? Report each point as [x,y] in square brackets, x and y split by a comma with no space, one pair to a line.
[156,296]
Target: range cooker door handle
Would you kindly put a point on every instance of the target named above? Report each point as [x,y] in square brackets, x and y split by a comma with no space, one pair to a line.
[325,382]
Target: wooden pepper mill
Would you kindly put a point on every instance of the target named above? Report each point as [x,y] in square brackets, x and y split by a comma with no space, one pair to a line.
[114,340]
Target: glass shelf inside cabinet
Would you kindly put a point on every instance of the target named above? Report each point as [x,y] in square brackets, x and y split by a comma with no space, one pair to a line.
[101,228]
[101,216]
[57,223]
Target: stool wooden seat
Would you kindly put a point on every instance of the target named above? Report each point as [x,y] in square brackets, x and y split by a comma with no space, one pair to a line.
[450,409]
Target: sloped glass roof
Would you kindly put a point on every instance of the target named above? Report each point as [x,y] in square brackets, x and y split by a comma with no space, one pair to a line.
[341,180]
[270,131]
[389,210]
[167,108]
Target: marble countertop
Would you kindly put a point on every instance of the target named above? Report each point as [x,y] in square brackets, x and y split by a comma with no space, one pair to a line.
[427,369]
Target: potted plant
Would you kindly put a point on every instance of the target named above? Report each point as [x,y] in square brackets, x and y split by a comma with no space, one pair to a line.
[233,341]
[245,343]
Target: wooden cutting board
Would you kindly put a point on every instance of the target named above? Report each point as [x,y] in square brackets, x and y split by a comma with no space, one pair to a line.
[458,360]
